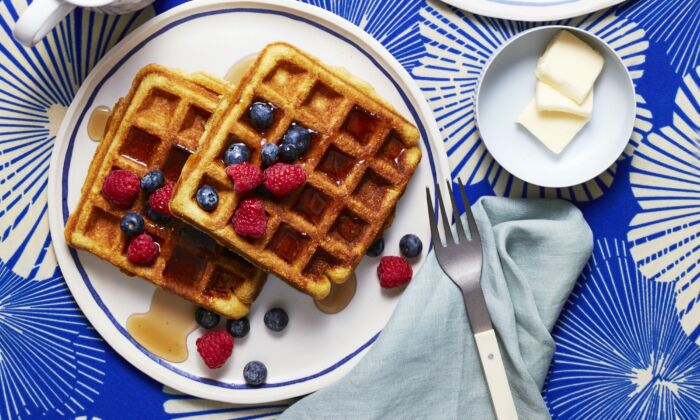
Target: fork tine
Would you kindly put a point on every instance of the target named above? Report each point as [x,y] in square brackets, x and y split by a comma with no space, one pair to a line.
[437,242]
[449,239]
[473,230]
[455,212]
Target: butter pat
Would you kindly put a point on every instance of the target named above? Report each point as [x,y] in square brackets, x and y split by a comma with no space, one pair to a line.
[548,99]
[570,66]
[554,129]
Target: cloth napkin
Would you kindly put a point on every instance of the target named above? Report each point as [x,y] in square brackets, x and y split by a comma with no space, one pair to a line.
[425,363]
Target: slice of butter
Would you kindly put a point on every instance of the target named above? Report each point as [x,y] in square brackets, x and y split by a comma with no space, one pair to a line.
[549,99]
[570,66]
[554,129]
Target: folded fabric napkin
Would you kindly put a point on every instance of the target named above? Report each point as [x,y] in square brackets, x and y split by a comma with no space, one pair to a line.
[425,363]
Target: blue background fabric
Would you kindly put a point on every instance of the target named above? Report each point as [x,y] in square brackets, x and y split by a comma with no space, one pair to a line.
[627,339]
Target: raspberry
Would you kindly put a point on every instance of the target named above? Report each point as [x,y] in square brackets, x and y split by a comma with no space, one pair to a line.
[215,347]
[142,250]
[121,188]
[160,199]
[250,219]
[281,178]
[245,176]
[393,272]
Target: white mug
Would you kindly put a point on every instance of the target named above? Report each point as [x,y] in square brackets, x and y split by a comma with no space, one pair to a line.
[42,15]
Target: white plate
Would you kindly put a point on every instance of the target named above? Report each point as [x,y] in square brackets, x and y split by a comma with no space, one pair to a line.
[508,84]
[315,349]
[532,10]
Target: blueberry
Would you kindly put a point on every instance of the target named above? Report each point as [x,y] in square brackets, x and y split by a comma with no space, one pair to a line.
[261,115]
[152,181]
[410,246]
[276,319]
[288,153]
[238,327]
[207,319]
[255,373]
[131,224]
[299,137]
[376,248]
[269,153]
[207,198]
[157,217]
[236,153]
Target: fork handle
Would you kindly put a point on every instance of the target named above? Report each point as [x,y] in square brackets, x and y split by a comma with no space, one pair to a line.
[495,374]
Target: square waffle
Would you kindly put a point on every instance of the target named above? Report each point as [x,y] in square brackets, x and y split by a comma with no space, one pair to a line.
[158,125]
[361,157]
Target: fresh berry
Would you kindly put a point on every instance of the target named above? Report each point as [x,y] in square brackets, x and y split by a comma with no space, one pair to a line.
[376,248]
[276,319]
[288,153]
[282,179]
[207,198]
[410,246]
[238,328]
[215,347]
[206,319]
[156,217]
[250,219]
[160,199]
[121,188]
[269,153]
[393,272]
[131,224]
[261,115]
[152,181]
[255,373]
[245,176]
[236,153]
[142,250]
[299,137]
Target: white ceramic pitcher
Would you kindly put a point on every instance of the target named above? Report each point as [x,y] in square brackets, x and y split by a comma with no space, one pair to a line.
[42,15]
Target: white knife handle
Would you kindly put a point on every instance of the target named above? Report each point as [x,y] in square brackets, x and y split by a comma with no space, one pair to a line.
[495,373]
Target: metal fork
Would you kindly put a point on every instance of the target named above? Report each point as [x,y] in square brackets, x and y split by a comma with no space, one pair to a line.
[461,259]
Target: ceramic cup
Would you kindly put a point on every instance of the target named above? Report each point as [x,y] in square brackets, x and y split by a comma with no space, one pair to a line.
[42,15]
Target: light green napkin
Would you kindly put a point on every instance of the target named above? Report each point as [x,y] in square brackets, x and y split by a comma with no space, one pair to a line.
[425,363]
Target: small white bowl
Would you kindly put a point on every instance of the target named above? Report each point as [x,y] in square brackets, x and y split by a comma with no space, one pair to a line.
[508,83]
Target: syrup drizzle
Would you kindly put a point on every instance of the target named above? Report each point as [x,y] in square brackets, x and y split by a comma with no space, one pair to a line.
[238,69]
[339,296]
[97,123]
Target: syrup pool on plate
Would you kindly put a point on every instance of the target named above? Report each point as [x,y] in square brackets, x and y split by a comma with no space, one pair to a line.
[97,124]
[163,330]
[236,72]
[339,296]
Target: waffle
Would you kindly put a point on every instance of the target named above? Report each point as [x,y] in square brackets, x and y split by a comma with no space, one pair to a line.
[362,155]
[157,125]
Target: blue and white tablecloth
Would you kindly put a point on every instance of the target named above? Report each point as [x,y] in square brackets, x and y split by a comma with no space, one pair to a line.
[628,343]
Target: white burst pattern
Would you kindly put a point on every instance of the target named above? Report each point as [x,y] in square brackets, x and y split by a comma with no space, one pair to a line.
[459,44]
[179,404]
[36,86]
[51,363]
[665,179]
[673,23]
[620,352]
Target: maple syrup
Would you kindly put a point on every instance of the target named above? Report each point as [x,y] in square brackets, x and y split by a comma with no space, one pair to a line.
[336,164]
[312,204]
[349,226]
[163,330]
[360,124]
[139,146]
[339,296]
[236,72]
[177,157]
[287,243]
[392,149]
[97,123]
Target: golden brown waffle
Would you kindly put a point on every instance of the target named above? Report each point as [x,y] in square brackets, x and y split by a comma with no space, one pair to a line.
[362,155]
[158,125]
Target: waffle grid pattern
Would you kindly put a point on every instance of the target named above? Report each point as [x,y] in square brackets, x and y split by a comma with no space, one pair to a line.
[158,126]
[362,155]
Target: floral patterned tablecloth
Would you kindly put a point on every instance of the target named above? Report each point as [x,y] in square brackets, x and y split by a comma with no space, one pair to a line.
[628,340]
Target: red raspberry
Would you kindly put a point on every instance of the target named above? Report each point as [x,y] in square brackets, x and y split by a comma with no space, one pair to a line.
[121,188]
[142,250]
[393,272]
[215,347]
[250,219]
[281,178]
[245,176]
[160,199]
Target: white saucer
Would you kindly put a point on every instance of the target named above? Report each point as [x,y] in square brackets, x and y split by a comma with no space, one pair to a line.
[508,83]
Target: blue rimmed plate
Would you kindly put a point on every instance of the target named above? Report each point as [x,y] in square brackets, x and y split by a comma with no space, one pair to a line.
[532,10]
[316,349]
